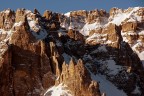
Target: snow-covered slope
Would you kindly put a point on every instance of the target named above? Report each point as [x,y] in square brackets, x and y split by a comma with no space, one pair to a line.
[121,16]
[35,28]
[118,17]
[67,14]
[5,36]
[88,27]
[106,86]
[136,44]
[141,52]
[59,90]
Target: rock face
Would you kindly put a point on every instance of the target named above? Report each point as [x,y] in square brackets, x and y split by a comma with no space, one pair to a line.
[32,62]
[75,35]
[47,14]
[7,19]
[77,78]
[80,53]
[109,35]
[97,16]
[20,15]
[5,65]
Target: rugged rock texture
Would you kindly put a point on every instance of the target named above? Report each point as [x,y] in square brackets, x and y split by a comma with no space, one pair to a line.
[20,15]
[7,19]
[32,62]
[77,78]
[75,51]
[97,16]
[47,14]
[6,80]
[130,26]
[28,65]
[109,35]
[75,35]
[78,13]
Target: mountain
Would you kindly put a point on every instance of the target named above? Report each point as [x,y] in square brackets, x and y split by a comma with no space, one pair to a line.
[79,53]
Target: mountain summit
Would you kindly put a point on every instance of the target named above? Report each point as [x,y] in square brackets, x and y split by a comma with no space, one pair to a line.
[79,53]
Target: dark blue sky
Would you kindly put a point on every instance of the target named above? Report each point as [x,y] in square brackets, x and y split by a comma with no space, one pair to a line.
[68,5]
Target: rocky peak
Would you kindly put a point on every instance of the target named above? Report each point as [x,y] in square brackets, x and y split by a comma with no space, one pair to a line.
[96,16]
[20,15]
[47,14]
[74,52]
[75,35]
[7,19]
[78,13]
[77,78]
[36,12]
[114,11]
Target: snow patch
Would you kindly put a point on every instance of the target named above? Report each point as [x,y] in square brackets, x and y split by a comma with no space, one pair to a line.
[121,16]
[136,91]
[100,49]
[58,43]
[18,24]
[97,37]
[33,25]
[88,27]
[67,14]
[36,29]
[66,57]
[141,32]
[106,86]
[40,35]
[28,11]
[87,57]
[59,90]
[139,53]
[7,11]
[112,67]
[3,43]
[73,23]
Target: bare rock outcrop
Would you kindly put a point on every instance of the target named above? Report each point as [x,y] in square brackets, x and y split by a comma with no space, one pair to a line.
[97,16]
[20,15]
[78,79]
[5,70]
[34,49]
[7,19]
[28,64]
[78,13]
[109,35]
[75,35]
[129,26]
[47,14]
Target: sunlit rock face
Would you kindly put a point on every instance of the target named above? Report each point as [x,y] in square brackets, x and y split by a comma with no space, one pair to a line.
[79,53]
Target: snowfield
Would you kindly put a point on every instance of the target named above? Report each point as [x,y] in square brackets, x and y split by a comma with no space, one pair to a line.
[59,90]
[106,86]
